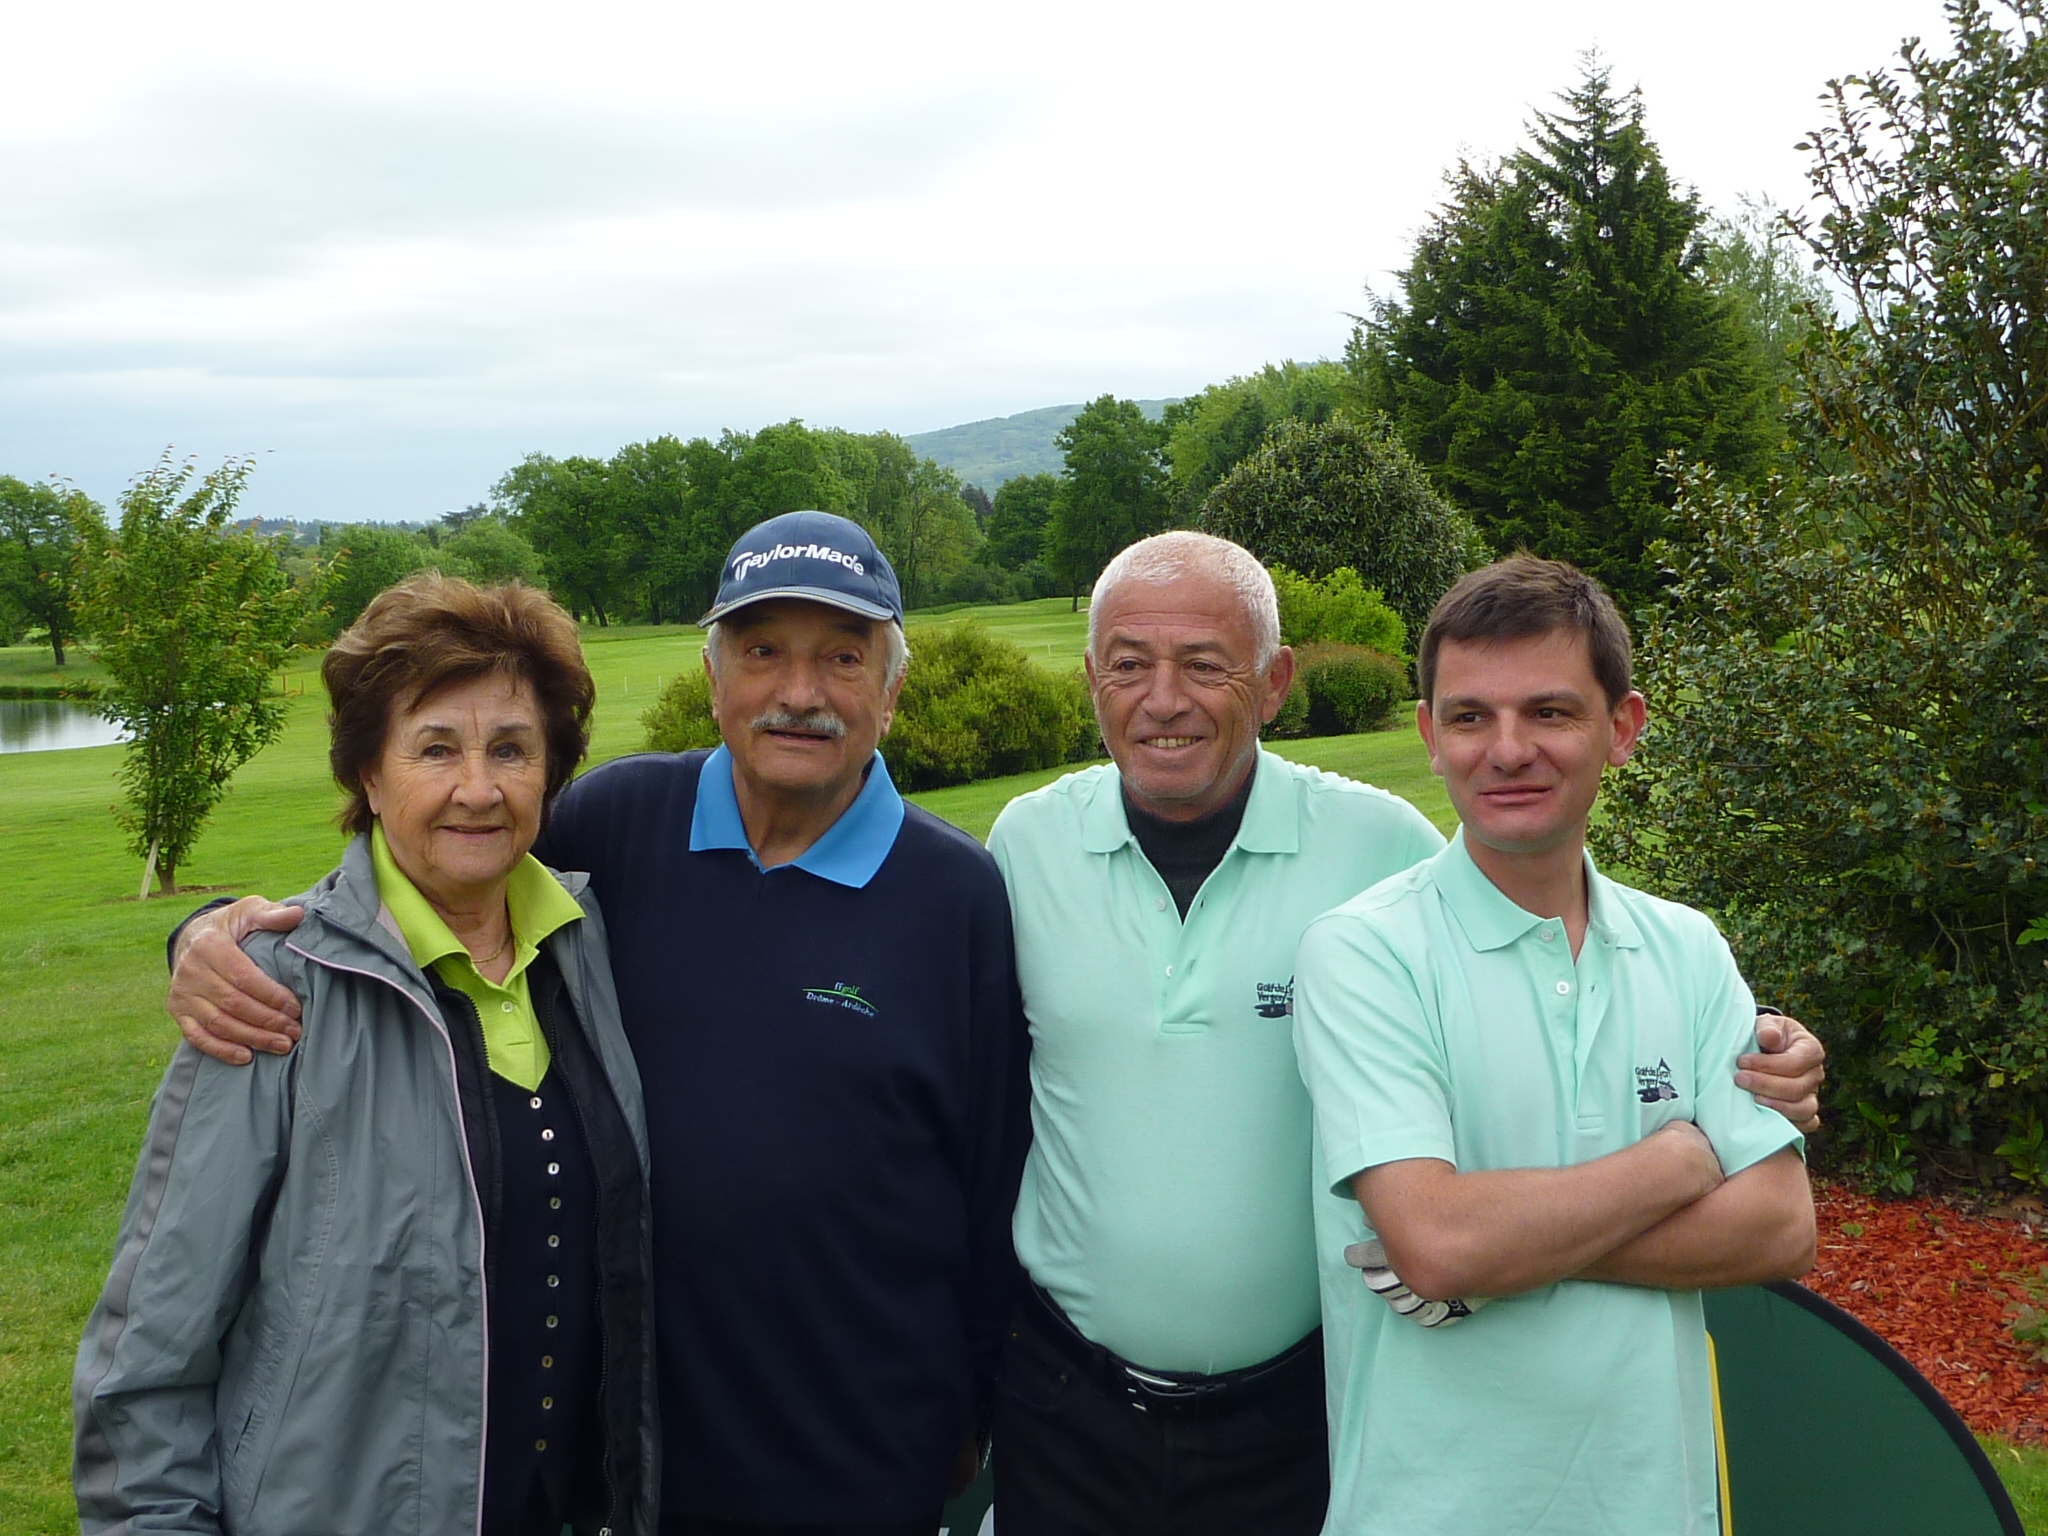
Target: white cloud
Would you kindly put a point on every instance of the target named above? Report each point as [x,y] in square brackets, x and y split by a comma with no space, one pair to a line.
[400,245]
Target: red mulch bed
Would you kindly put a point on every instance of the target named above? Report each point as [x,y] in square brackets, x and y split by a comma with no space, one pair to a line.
[1936,1282]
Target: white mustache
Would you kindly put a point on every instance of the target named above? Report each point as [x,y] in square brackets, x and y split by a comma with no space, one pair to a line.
[821,721]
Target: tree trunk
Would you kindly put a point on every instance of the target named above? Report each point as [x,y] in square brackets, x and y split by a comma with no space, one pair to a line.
[57,645]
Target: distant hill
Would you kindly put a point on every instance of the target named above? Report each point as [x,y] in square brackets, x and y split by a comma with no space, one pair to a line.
[986,453]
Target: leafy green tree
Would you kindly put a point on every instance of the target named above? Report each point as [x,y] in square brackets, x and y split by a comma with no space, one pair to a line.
[190,621]
[565,509]
[916,513]
[1017,521]
[1211,433]
[488,551]
[1111,493]
[648,494]
[978,503]
[1345,494]
[38,540]
[1557,339]
[361,560]
[1757,260]
[1849,685]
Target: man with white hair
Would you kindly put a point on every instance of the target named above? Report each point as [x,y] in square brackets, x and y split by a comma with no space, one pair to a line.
[1164,1372]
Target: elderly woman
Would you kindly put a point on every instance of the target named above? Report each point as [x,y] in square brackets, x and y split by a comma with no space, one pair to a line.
[398,1280]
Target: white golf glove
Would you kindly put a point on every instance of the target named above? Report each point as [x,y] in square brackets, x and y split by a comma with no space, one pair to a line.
[1370,1260]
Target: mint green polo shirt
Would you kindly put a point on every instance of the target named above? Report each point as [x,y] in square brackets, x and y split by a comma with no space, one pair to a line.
[1165,1203]
[1438,1019]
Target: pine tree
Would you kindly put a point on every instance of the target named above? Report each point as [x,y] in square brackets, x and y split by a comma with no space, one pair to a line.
[1557,339]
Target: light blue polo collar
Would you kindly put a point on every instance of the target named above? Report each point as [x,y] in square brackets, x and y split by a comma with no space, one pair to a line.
[849,853]
[1492,921]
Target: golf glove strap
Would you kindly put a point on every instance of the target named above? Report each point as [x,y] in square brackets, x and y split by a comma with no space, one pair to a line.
[1370,1260]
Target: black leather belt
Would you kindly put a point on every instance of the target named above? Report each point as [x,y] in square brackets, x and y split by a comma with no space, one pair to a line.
[1179,1393]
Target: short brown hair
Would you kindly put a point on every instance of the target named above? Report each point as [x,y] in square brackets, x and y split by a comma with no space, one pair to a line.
[1519,598]
[431,631]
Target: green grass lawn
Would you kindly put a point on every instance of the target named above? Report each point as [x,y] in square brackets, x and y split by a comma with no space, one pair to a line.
[83,1037]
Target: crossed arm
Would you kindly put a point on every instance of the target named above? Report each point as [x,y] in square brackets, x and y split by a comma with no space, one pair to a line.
[1658,1213]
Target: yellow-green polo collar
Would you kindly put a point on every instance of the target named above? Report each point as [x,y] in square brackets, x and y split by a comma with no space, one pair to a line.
[535,899]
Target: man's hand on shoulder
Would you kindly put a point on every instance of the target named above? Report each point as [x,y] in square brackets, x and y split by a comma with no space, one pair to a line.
[222,1002]
[1786,1071]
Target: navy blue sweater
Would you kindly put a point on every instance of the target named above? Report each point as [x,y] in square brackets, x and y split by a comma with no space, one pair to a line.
[832,1180]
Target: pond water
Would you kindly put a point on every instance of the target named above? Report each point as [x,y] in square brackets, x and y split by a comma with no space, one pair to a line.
[51,725]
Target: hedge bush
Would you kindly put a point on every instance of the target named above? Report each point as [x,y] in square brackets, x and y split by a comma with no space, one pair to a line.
[681,720]
[1339,608]
[1348,688]
[973,707]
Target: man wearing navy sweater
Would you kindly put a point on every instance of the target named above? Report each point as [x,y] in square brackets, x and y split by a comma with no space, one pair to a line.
[817,982]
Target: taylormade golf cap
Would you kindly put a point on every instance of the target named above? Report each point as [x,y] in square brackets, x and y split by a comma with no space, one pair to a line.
[816,556]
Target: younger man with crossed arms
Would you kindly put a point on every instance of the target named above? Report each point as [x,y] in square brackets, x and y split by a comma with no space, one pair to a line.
[1520,1073]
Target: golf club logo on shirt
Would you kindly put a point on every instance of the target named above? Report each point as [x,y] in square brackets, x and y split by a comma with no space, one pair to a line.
[1653,1084]
[841,995]
[1276,999]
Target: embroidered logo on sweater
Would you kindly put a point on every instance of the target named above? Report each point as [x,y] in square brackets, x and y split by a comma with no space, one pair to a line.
[1653,1084]
[841,995]
[1276,999]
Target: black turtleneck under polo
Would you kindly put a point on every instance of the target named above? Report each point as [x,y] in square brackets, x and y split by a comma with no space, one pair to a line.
[1186,852]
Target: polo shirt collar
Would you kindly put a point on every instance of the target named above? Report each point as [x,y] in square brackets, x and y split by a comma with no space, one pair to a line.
[534,900]
[1492,921]
[1271,824]
[849,854]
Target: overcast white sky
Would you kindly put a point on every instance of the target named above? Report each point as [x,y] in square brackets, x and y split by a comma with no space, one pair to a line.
[390,248]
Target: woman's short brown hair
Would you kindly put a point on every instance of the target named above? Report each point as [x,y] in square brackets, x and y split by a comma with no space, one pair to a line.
[431,631]
[1519,598]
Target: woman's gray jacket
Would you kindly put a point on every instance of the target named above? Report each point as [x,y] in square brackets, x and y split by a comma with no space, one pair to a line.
[292,1338]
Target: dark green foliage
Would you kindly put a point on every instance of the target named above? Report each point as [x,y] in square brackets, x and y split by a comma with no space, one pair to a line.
[1556,339]
[1292,719]
[1210,434]
[1348,687]
[681,719]
[38,539]
[644,533]
[1849,687]
[488,552]
[987,584]
[1345,493]
[361,560]
[1111,493]
[1338,608]
[1017,519]
[975,707]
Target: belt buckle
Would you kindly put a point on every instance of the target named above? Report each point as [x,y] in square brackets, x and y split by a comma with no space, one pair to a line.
[1164,1389]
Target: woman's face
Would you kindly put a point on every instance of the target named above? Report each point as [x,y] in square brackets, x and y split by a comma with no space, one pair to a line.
[458,787]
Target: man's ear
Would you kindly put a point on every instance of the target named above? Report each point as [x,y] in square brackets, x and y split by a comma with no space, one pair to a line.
[1425,725]
[1629,717]
[1279,678]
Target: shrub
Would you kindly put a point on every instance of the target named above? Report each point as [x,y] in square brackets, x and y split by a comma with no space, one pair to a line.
[975,706]
[1317,498]
[1292,721]
[1339,608]
[1348,688]
[681,719]
[1849,680]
